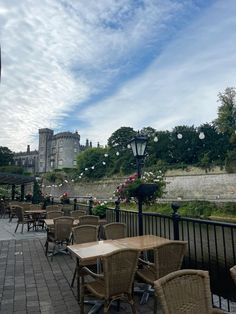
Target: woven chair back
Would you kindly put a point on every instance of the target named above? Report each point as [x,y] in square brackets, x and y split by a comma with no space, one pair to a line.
[78,213]
[119,268]
[63,228]
[184,291]
[233,273]
[54,214]
[53,208]
[35,206]
[115,230]
[89,220]
[85,233]
[169,257]
[19,212]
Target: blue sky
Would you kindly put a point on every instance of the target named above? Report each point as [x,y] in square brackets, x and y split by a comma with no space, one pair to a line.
[94,66]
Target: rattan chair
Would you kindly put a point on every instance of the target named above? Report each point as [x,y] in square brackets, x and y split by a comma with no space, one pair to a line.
[84,234]
[54,214]
[19,212]
[185,291]
[233,273]
[168,257]
[116,282]
[115,230]
[50,208]
[89,220]
[61,236]
[77,213]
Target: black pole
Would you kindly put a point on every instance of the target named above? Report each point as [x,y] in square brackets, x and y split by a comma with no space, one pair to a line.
[22,192]
[13,191]
[75,203]
[117,210]
[90,205]
[140,201]
[175,218]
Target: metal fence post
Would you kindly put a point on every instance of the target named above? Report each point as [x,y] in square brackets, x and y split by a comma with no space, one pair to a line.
[175,218]
[117,210]
[75,203]
[90,205]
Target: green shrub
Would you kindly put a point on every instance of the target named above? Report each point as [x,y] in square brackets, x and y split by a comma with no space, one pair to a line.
[99,210]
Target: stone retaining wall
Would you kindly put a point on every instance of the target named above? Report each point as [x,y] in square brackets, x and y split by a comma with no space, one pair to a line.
[208,187]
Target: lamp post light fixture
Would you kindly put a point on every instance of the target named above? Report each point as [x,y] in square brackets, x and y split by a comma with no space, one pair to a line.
[138,145]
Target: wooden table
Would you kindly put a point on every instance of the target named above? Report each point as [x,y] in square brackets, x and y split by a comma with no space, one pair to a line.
[92,250]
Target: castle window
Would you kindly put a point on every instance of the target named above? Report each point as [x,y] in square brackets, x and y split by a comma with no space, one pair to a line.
[74,162]
[52,163]
[60,162]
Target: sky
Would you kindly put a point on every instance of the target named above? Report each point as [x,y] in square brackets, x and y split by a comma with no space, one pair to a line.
[94,66]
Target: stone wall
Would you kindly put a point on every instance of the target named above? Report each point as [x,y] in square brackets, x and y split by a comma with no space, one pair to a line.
[208,187]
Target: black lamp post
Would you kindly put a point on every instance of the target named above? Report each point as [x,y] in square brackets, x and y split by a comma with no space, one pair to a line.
[138,145]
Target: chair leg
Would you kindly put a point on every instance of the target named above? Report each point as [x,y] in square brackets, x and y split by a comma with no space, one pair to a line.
[106,307]
[46,248]
[81,297]
[131,302]
[155,304]
[17,226]
[22,228]
[73,279]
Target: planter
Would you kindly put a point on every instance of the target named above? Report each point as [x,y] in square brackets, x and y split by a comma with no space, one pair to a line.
[144,190]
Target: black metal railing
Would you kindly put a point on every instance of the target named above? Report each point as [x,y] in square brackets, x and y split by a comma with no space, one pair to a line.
[211,245]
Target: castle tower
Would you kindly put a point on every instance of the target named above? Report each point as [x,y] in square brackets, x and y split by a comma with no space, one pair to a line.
[45,140]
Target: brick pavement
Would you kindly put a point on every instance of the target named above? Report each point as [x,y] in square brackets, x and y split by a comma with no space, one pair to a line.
[31,283]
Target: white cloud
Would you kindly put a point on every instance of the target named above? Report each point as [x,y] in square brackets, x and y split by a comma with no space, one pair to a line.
[181,85]
[59,54]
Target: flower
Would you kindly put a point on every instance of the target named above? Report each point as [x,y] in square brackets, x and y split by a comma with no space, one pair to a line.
[150,186]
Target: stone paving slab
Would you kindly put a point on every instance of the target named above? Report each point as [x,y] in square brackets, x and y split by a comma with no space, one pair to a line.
[32,283]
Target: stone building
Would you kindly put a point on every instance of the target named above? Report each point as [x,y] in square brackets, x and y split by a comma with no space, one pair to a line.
[28,160]
[55,151]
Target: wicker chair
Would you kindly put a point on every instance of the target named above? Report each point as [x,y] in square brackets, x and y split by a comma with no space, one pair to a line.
[54,214]
[168,257]
[84,234]
[89,220]
[61,236]
[233,273]
[185,291]
[50,208]
[116,282]
[77,213]
[115,230]
[19,212]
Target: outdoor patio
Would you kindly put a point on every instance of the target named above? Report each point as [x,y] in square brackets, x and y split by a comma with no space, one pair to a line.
[31,283]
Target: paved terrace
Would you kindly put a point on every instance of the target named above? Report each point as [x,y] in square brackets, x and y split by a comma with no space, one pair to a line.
[31,283]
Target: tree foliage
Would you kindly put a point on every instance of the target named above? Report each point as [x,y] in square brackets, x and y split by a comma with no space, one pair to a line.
[6,156]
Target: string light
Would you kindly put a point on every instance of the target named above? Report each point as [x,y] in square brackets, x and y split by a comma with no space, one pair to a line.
[117,153]
[201,136]
[155,139]
[106,155]
[179,136]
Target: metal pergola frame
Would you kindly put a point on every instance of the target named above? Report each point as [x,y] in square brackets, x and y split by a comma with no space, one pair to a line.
[14,180]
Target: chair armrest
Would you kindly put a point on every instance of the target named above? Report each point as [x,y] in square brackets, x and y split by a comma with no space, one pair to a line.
[142,261]
[86,271]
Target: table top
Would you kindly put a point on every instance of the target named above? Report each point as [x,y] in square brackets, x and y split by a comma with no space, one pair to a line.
[35,211]
[142,243]
[50,222]
[91,250]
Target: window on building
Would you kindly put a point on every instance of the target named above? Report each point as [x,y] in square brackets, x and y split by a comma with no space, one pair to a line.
[52,164]
[60,162]
[75,150]
[74,162]
[41,164]
[60,149]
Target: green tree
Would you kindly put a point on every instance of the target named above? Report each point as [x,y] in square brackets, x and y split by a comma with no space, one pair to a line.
[120,138]
[93,163]
[6,156]
[226,121]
